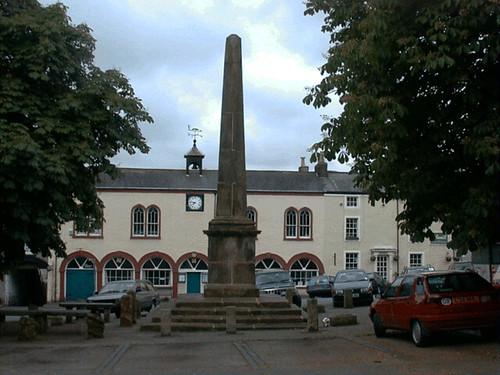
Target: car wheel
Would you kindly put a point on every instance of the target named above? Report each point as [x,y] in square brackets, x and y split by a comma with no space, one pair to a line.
[378,327]
[418,334]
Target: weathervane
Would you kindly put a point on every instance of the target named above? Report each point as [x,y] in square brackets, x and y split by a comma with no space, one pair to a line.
[194,132]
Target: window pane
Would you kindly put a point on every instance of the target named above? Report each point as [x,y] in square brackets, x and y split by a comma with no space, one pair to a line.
[351,261]
[291,224]
[305,224]
[351,228]
[138,222]
[153,222]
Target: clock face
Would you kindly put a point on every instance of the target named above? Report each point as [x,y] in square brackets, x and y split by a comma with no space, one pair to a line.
[195,203]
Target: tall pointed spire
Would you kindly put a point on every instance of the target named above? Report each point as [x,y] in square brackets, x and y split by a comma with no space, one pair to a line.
[231,236]
[231,186]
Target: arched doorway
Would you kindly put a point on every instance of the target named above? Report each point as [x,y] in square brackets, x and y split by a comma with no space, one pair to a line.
[80,278]
[193,275]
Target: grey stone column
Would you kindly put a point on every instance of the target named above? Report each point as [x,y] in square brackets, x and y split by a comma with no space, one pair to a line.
[231,236]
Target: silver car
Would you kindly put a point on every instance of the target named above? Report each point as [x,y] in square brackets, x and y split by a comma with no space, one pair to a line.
[112,292]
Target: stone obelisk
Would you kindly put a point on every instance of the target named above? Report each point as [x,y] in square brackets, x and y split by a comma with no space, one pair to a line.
[231,236]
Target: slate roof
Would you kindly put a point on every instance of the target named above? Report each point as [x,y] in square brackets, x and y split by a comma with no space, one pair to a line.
[257,181]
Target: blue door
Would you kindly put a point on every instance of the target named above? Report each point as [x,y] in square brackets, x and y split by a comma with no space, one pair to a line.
[193,282]
[80,284]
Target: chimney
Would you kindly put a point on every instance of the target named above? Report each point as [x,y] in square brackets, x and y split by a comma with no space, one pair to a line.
[303,167]
[321,167]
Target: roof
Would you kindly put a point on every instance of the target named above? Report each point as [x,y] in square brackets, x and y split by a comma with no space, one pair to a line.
[257,181]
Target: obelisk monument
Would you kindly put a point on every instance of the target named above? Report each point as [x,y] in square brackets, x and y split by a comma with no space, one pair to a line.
[231,236]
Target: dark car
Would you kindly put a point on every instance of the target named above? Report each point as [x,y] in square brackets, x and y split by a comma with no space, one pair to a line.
[432,302]
[276,282]
[320,286]
[378,283]
[112,292]
[417,269]
[356,280]
[462,266]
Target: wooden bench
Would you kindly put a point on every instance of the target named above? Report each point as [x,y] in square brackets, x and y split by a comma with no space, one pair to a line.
[95,307]
[41,314]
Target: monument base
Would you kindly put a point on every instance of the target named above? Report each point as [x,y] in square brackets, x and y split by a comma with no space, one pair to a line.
[230,291]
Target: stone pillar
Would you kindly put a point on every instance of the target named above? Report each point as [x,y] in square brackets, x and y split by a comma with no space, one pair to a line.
[348,298]
[95,326]
[289,295]
[312,315]
[28,329]
[231,319]
[127,311]
[166,324]
[231,236]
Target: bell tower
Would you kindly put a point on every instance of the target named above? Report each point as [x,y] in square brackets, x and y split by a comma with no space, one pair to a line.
[194,157]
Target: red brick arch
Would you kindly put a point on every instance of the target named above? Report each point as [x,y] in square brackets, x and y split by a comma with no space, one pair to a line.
[64,264]
[314,258]
[275,257]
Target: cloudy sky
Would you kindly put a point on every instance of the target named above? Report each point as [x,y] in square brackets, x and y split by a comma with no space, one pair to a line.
[172,52]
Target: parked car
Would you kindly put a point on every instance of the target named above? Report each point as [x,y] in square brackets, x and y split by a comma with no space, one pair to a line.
[417,269]
[112,292]
[461,266]
[431,302]
[358,282]
[378,283]
[276,282]
[320,286]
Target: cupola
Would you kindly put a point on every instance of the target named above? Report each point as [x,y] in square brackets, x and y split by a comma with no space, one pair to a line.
[194,159]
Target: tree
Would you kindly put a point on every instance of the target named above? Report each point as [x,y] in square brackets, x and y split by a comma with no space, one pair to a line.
[61,120]
[419,81]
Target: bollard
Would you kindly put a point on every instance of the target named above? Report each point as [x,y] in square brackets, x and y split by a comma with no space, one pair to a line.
[166,324]
[127,309]
[289,296]
[312,315]
[231,319]
[348,298]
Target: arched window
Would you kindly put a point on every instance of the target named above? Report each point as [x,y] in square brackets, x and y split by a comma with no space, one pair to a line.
[291,223]
[80,263]
[158,271]
[118,268]
[267,264]
[138,222]
[298,224]
[145,222]
[302,270]
[251,213]
[153,222]
[305,223]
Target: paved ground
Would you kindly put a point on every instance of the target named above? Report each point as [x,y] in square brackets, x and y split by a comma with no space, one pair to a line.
[332,350]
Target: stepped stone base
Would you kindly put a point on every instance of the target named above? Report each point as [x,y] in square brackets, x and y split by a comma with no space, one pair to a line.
[199,313]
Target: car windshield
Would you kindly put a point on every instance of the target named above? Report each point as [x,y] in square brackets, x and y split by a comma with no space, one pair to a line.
[457,283]
[272,277]
[117,287]
[414,270]
[346,277]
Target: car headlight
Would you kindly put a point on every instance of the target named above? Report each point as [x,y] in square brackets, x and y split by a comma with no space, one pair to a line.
[339,292]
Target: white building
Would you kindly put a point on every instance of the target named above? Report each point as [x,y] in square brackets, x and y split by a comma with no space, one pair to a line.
[311,223]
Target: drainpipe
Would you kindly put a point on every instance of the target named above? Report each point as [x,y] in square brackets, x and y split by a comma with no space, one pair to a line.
[397,236]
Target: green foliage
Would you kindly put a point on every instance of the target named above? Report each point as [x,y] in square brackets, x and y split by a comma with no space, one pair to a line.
[419,81]
[61,120]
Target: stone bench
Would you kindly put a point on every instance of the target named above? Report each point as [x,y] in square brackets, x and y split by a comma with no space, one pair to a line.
[41,314]
[94,307]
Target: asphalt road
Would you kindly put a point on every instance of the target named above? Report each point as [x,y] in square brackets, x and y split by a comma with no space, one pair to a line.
[332,350]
